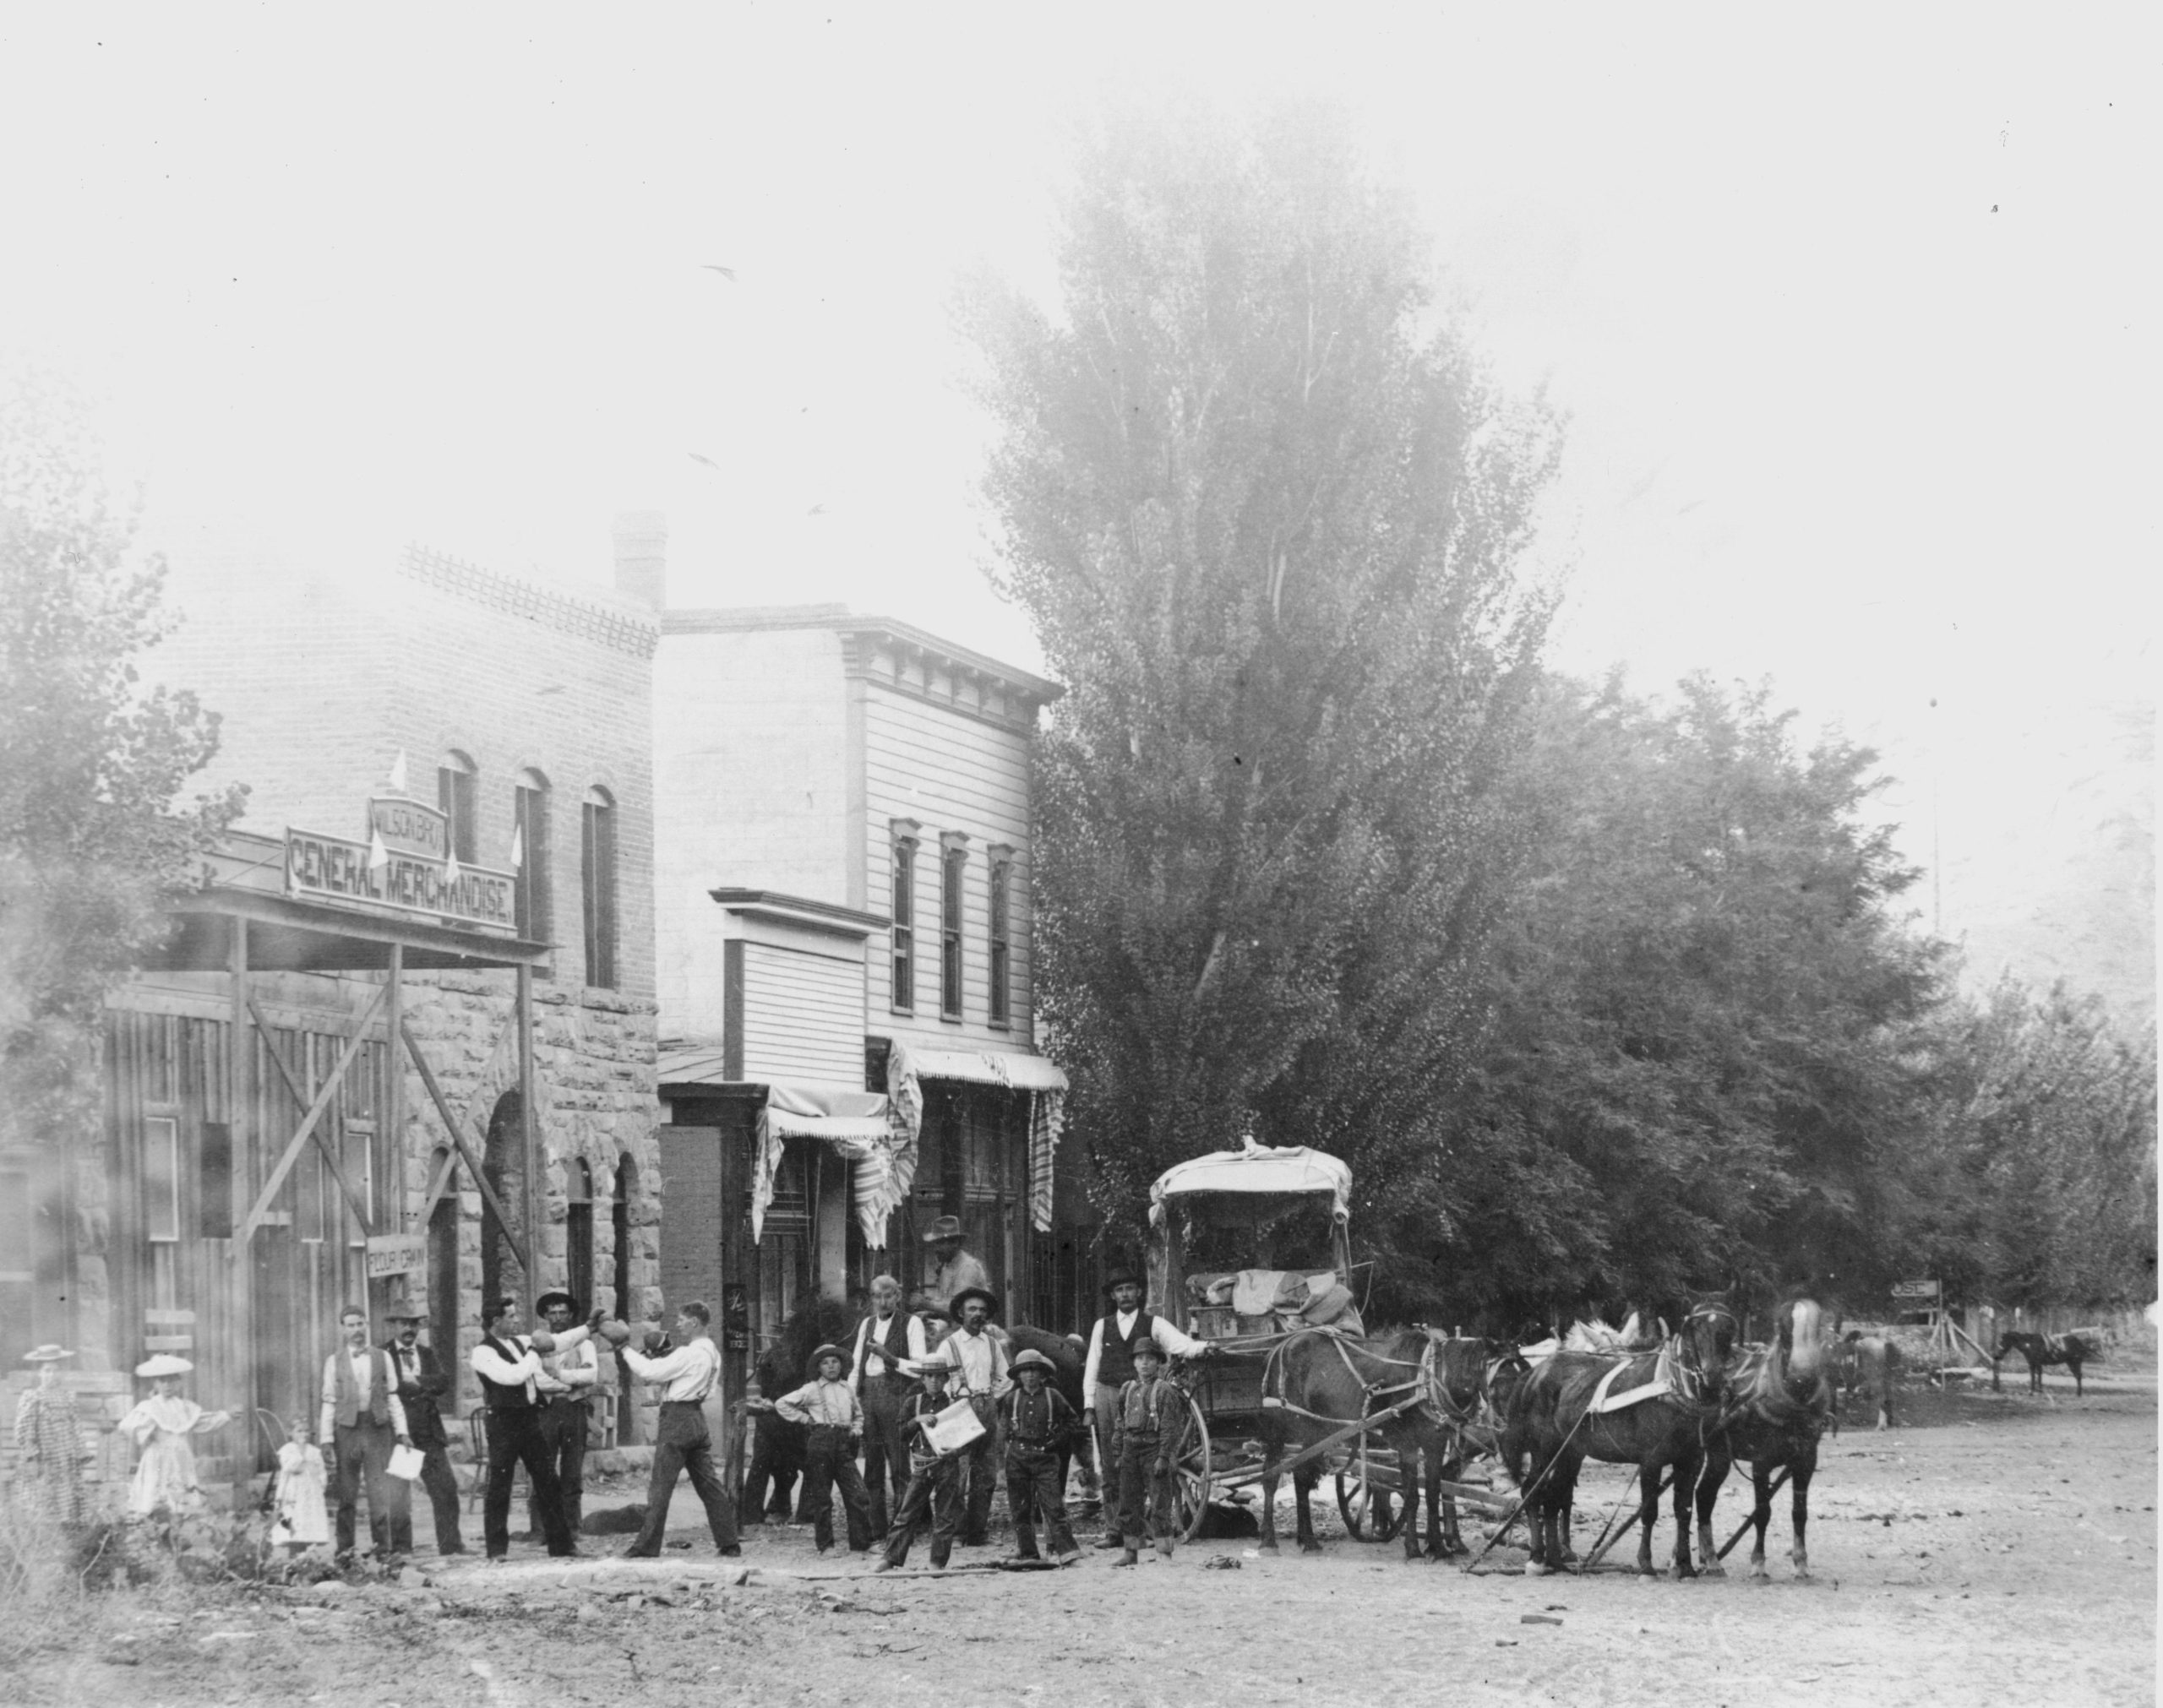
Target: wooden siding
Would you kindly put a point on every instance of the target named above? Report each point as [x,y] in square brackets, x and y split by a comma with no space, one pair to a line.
[949,772]
[802,1015]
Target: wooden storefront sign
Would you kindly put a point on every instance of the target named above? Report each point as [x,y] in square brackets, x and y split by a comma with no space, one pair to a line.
[396,1254]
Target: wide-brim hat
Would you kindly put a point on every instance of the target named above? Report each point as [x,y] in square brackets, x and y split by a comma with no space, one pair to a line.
[1145,1346]
[829,1350]
[47,1354]
[990,1301]
[1029,1358]
[558,1297]
[164,1364]
[946,1228]
[1124,1278]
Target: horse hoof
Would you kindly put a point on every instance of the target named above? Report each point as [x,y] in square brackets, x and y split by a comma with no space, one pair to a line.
[1715,1571]
[1265,1547]
[1309,1547]
[1539,1569]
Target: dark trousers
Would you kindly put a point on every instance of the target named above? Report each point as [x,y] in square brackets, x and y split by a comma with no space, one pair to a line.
[830,1461]
[935,1496]
[363,1449]
[1105,1401]
[885,1458]
[442,1485]
[683,1443]
[562,1438]
[514,1439]
[1033,1492]
[979,1462]
[1144,1503]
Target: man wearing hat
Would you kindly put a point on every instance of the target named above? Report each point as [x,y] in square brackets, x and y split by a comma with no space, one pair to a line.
[833,1419]
[958,1269]
[422,1383]
[362,1419]
[1038,1422]
[976,1359]
[883,1339]
[1109,1367]
[563,1392]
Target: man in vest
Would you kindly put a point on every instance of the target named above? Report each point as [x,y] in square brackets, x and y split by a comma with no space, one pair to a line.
[362,1420]
[509,1370]
[689,1372]
[422,1383]
[1109,1367]
[562,1391]
[889,1334]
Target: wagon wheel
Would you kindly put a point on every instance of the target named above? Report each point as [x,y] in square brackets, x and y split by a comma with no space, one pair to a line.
[1190,1474]
[1372,1512]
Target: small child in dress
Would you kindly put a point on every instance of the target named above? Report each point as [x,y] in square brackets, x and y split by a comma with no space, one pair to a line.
[302,1520]
[160,1427]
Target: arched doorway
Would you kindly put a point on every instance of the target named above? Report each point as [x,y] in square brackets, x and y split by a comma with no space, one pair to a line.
[443,1264]
[503,1161]
[619,1228]
[577,1233]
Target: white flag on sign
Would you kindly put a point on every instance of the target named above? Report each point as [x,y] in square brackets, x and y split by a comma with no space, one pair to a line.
[378,855]
[398,772]
[517,846]
[450,872]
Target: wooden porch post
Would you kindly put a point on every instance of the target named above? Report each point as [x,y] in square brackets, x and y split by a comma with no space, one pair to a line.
[237,1102]
[393,1202]
[530,1120]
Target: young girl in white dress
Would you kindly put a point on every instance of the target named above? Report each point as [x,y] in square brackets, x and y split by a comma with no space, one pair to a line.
[160,1427]
[301,1520]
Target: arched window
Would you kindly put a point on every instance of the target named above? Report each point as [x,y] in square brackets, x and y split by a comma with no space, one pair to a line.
[577,1233]
[598,866]
[528,847]
[458,793]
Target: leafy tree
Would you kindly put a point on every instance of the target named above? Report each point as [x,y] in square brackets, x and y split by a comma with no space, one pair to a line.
[2035,1184]
[1705,1011]
[90,842]
[1267,515]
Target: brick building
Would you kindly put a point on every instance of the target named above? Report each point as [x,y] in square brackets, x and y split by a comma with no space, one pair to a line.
[236,1225]
[842,830]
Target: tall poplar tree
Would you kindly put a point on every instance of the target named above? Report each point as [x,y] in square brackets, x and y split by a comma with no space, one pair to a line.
[1269,517]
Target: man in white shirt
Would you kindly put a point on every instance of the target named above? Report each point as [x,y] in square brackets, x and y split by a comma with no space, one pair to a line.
[957,1268]
[1109,1365]
[883,1339]
[978,1359]
[562,1394]
[683,1443]
[510,1369]
[362,1420]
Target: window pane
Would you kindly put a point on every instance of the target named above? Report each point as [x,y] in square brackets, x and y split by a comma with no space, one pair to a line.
[530,808]
[600,895]
[215,1171]
[162,1178]
[904,907]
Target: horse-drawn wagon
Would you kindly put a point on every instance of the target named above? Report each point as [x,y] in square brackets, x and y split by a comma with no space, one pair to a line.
[1252,1248]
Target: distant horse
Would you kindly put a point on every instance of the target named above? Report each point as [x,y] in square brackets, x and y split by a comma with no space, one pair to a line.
[1778,1399]
[1870,1364]
[1317,1382]
[1552,1427]
[2069,1350]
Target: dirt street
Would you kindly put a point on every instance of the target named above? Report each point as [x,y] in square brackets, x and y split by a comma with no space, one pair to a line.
[1997,1549]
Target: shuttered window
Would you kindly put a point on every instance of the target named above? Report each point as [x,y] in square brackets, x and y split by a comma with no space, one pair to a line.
[598,864]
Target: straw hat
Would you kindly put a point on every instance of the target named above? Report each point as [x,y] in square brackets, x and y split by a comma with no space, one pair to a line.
[165,1365]
[946,1228]
[47,1354]
[1029,1358]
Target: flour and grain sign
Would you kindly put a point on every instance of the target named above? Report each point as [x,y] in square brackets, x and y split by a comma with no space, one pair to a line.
[396,1254]
[412,872]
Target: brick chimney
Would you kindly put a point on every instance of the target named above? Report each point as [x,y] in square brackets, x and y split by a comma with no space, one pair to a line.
[642,557]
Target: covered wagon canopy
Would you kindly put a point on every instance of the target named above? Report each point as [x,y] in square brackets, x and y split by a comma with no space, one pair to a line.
[1255,1171]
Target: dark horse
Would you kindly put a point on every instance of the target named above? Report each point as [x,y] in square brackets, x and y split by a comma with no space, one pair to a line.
[1472,1380]
[2069,1350]
[1778,1399]
[1067,1363]
[1552,1428]
[1319,1381]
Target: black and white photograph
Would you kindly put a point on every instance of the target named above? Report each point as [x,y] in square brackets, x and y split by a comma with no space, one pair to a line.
[1192,855]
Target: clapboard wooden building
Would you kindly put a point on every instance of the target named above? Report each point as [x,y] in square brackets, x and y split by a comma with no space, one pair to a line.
[842,890]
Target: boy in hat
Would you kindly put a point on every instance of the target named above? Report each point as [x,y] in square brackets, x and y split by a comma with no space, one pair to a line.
[935,1478]
[1148,1423]
[1109,1367]
[561,1394]
[1039,1423]
[832,1415]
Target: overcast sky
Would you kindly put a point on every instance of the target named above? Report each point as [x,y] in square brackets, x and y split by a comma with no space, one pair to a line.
[1853,312]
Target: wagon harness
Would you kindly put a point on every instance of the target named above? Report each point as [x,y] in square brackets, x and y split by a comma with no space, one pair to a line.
[1430,1393]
